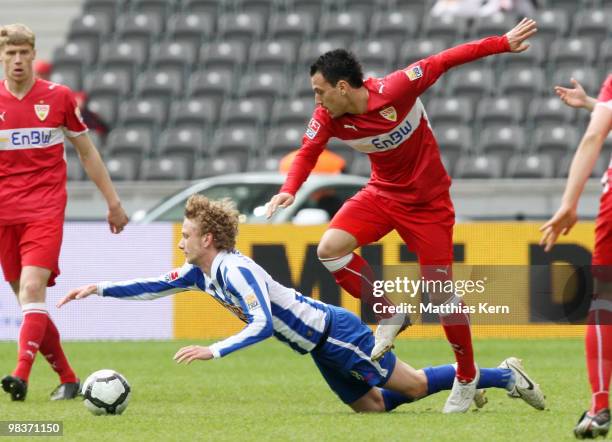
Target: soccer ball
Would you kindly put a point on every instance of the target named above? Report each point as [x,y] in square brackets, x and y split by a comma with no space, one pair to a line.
[106,392]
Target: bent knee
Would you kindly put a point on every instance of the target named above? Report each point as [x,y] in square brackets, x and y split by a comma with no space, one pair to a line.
[372,402]
[32,291]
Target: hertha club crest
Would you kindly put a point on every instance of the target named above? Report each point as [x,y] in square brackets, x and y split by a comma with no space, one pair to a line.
[42,111]
[389,113]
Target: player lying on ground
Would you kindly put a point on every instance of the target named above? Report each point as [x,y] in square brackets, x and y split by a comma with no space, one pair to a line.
[408,190]
[339,343]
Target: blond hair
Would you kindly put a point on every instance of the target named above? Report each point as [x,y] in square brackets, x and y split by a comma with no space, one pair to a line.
[217,217]
[16,34]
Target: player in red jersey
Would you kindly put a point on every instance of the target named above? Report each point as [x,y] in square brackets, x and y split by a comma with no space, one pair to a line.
[35,115]
[598,339]
[409,188]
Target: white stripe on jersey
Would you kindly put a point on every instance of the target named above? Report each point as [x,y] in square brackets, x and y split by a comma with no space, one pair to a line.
[606,104]
[292,336]
[395,137]
[382,371]
[30,138]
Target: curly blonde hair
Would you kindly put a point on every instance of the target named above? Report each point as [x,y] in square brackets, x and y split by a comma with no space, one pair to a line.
[217,217]
[16,34]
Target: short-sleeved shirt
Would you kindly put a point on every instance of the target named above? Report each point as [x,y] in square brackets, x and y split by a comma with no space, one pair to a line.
[605,94]
[32,161]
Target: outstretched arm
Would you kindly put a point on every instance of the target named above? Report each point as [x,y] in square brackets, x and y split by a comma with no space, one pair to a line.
[576,96]
[565,218]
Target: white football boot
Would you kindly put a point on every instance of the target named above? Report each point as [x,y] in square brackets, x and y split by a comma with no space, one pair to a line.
[524,387]
[386,333]
[461,395]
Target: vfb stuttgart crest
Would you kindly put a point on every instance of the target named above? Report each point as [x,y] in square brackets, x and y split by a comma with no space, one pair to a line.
[389,113]
[42,111]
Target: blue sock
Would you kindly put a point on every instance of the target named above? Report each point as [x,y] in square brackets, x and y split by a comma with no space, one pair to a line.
[393,399]
[495,377]
[442,378]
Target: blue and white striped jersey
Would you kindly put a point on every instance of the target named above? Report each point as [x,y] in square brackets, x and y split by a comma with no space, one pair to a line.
[248,291]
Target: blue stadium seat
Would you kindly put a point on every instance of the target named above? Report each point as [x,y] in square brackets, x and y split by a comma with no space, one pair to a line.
[530,167]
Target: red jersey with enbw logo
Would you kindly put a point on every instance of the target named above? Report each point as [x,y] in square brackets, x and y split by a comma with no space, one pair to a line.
[32,164]
[394,131]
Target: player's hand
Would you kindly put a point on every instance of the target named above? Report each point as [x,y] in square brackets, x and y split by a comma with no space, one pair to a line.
[117,218]
[518,35]
[191,353]
[80,293]
[575,97]
[561,223]
[283,200]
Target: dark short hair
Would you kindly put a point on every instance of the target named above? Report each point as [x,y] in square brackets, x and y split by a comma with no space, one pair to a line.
[337,65]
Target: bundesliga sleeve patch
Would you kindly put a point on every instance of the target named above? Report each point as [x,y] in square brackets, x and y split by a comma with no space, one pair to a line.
[313,128]
[251,301]
[414,72]
[172,276]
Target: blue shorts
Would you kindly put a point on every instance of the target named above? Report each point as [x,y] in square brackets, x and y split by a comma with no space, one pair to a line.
[344,359]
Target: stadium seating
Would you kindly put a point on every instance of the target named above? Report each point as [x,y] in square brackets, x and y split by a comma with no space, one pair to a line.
[189,76]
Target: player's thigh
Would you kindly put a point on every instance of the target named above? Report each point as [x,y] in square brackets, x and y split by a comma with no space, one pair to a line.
[362,217]
[602,252]
[407,380]
[10,254]
[33,284]
[336,243]
[427,229]
[40,246]
[348,389]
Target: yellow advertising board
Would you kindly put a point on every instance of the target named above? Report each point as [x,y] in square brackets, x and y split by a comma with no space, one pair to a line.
[288,253]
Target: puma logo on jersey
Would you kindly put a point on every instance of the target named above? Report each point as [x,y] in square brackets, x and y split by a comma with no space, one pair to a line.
[2,116]
[350,126]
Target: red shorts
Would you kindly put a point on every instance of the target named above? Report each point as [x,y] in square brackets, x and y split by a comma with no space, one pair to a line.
[602,253]
[36,243]
[427,229]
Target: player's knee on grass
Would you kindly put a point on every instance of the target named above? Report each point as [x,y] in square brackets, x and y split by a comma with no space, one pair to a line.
[371,402]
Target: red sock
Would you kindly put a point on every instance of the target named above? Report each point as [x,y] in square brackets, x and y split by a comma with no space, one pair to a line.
[457,329]
[51,349]
[598,342]
[355,275]
[31,334]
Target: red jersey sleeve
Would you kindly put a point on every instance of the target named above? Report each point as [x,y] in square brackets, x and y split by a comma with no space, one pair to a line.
[422,74]
[73,121]
[313,143]
[605,94]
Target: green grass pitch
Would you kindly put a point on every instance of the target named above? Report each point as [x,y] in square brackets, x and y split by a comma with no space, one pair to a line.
[268,392]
